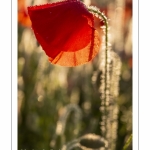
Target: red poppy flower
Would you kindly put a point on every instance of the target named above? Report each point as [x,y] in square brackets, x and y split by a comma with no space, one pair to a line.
[23,17]
[66,32]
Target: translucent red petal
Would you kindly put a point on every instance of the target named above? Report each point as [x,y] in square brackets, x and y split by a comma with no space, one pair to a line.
[66,32]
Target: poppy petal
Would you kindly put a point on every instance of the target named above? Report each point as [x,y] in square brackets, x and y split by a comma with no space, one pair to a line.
[23,17]
[66,32]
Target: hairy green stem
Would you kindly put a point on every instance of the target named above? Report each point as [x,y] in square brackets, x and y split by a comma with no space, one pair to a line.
[104,18]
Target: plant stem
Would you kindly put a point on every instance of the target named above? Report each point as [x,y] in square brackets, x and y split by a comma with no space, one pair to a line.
[106,89]
[127,142]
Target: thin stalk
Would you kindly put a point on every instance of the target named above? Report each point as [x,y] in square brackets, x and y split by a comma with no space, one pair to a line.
[128,142]
[95,11]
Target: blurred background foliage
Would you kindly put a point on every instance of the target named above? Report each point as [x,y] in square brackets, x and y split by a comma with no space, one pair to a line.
[59,104]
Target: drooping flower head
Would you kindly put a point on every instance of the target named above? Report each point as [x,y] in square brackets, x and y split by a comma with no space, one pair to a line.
[66,32]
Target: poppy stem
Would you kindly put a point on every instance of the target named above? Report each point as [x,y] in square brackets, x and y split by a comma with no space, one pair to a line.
[99,14]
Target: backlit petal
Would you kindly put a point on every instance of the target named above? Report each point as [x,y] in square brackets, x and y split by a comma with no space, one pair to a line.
[66,32]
